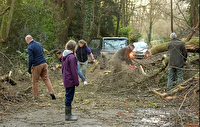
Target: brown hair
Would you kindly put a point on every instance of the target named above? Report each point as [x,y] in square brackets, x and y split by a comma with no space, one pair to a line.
[82,42]
[70,45]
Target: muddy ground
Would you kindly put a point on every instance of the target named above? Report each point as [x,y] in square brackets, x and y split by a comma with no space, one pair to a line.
[123,100]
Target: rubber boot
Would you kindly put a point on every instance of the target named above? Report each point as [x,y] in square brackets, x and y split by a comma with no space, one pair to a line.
[68,114]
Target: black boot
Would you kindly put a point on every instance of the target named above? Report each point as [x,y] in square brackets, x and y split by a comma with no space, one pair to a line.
[68,114]
[53,96]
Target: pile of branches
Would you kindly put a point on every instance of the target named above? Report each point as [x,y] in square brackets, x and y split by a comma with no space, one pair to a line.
[8,84]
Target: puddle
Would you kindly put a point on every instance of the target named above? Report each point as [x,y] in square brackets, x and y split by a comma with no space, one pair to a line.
[152,117]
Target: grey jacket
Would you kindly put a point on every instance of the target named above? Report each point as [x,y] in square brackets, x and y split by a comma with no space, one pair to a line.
[177,53]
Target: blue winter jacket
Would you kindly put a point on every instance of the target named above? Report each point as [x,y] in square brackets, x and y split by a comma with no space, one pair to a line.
[36,56]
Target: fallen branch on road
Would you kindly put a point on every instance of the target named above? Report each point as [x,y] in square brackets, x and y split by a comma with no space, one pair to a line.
[8,79]
[177,88]
[95,66]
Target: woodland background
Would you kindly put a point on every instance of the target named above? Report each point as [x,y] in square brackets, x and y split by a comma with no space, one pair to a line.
[54,22]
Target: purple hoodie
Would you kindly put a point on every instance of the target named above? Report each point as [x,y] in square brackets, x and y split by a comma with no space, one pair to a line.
[69,69]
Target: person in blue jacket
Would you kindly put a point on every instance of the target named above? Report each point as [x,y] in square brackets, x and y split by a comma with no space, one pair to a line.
[37,66]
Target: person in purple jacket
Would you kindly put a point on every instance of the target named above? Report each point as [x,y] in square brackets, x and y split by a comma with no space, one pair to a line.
[70,77]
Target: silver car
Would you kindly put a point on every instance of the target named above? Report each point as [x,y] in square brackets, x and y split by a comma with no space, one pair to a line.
[141,50]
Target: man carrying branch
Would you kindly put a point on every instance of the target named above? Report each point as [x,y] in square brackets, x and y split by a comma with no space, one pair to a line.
[177,59]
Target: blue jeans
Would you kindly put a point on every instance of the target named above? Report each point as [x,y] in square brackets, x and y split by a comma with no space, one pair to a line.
[69,95]
[80,74]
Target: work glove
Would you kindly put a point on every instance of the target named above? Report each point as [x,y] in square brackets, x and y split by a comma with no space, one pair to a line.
[29,70]
[131,66]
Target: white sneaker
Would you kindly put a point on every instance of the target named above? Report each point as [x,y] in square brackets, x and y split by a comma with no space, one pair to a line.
[85,83]
[61,84]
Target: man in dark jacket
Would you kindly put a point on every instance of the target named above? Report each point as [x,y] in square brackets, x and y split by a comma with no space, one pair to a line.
[177,59]
[122,55]
[38,65]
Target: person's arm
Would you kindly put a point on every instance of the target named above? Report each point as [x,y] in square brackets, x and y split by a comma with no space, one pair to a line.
[90,52]
[30,62]
[73,67]
[92,57]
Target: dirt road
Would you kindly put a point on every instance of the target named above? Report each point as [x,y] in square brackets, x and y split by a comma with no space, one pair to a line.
[105,103]
[93,110]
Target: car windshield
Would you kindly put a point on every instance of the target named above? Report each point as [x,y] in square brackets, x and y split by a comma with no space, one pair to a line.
[140,45]
[114,44]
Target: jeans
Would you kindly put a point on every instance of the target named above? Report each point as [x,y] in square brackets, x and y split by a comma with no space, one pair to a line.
[80,74]
[172,72]
[83,67]
[69,95]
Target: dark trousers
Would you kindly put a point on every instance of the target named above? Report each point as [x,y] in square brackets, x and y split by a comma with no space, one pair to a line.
[69,96]
[172,72]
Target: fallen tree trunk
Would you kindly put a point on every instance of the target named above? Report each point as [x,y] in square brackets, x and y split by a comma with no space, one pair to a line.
[95,66]
[191,46]
[163,46]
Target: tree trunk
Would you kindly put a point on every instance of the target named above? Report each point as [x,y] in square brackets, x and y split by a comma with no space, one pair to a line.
[172,16]
[123,12]
[150,24]
[193,12]
[150,31]
[88,9]
[117,28]
[159,48]
[6,21]
[98,29]
[191,46]
[63,16]
[83,15]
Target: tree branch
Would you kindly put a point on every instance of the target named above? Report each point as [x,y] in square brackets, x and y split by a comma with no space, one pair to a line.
[192,32]
[182,13]
[7,58]
[4,11]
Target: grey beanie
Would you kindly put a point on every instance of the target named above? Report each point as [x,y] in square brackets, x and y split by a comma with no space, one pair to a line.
[173,35]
